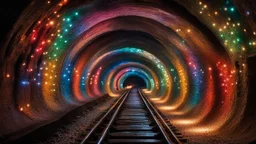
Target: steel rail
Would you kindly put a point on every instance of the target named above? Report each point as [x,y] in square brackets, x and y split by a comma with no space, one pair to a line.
[173,137]
[112,120]
[124,95]
[168,140]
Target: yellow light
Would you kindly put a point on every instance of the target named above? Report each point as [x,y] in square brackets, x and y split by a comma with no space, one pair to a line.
[21,109]
[216,13]
[205,6]
[188,30]
[200,3]
[214,24]
[166,108]
[51,22]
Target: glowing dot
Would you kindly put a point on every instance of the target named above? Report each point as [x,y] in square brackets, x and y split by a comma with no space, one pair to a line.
[49,2]
[28,105]
[51,22]
[205,6]
[76,13]
[210,68]
[216,13]
[247,13]
[21,109]
[200,3]
[214,24]
[8,75]
[188,30]
[232,9]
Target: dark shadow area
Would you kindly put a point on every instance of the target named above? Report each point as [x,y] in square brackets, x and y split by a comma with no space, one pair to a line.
[250,111]
[45,132]
[134,81]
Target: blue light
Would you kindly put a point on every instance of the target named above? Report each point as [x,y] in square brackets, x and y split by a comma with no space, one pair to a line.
[24,82]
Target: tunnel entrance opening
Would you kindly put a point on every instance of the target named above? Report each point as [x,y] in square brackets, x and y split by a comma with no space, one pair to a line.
[134,81]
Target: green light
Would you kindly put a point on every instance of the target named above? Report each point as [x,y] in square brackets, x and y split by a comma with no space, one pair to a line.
[76,13]
[232,9]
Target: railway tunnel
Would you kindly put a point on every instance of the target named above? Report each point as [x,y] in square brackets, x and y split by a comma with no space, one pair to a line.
[193,61]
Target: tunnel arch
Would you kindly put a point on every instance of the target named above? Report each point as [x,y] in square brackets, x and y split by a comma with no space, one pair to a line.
[69,53]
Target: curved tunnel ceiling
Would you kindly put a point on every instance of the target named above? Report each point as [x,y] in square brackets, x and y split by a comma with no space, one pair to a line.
[191,55]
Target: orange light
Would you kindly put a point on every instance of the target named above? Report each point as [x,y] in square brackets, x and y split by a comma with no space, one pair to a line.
[8,75]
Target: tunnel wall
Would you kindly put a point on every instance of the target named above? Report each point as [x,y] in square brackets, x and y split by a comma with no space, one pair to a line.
[197,57]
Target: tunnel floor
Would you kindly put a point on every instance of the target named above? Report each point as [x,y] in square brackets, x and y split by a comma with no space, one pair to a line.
[69,128]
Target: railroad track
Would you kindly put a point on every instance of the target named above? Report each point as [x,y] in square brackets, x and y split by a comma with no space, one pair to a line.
[132,119]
